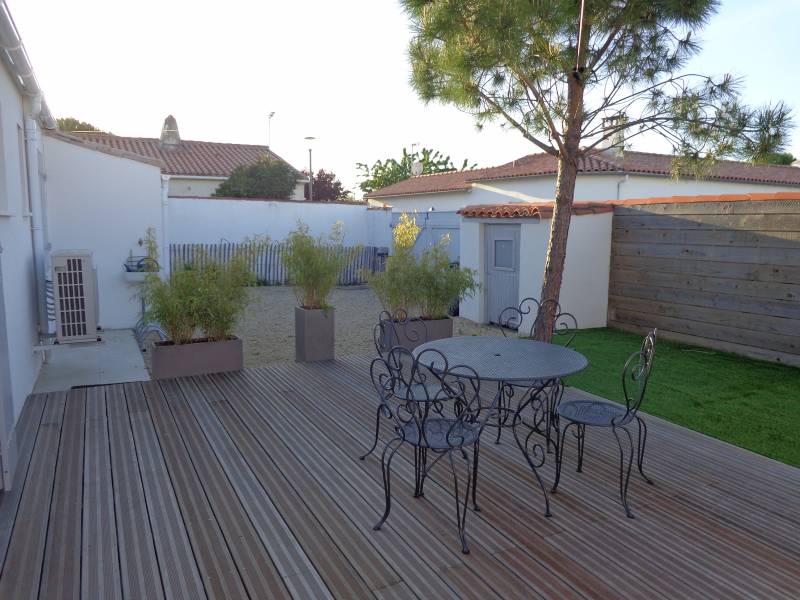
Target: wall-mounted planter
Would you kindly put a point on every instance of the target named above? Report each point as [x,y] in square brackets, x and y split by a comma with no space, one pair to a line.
[314,334]
[134,276]
[196,358]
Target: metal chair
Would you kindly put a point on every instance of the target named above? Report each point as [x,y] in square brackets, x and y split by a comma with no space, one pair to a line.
[597,413]
[394,329]
[447,422]
[565,327]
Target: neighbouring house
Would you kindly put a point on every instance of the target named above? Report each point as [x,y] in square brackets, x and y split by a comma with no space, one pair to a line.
[610,174]
[195,168]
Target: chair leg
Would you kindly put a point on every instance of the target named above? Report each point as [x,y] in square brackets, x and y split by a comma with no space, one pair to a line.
[640,449]
[386,466]
[560,455]
[624,473]
[581,440]
[377,430]
[476,452]
[500,412]
[461,508]
[420,470]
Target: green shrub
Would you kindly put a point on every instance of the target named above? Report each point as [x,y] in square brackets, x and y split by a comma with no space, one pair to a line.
[205,295]
[314,264]
[424,286]
[439,283]
[395,286]
[173,303]
[267,178]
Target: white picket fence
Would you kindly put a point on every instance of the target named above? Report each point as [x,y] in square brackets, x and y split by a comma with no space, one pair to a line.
[267,265]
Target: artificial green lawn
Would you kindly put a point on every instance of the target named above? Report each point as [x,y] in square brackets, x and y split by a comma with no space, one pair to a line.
[750,403]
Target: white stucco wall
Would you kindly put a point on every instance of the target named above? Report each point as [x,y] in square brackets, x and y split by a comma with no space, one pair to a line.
[19,364]
[188,186]
[587,188]
[209,220]
[200,187]
[584,289]
[105,204]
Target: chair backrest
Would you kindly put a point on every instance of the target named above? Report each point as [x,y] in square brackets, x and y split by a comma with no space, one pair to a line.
[636,373]
[398,329]
[512,316]
[565,325]
[413,390]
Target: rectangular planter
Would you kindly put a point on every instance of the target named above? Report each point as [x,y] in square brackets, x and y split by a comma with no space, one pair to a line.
[417,332]
[314,331]
[196,358]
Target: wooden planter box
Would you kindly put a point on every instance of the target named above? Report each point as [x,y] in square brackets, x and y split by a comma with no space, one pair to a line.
[416,333]
[196,358]
[314,334]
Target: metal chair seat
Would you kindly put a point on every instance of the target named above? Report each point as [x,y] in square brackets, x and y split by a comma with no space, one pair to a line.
[422,392]
[595,413]
[441,434]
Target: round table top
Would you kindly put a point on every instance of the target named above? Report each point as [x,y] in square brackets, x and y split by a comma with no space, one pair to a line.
[507,359]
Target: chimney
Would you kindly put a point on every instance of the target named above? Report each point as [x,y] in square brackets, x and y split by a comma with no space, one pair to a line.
[169,132]
[615,143]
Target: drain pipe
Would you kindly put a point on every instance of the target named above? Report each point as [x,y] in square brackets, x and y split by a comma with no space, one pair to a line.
[164,258]
[619,185]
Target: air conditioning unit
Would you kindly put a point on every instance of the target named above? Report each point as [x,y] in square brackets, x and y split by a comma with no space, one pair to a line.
[75,296]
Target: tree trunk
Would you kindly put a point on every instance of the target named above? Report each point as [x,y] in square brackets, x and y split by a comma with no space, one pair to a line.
[562,214]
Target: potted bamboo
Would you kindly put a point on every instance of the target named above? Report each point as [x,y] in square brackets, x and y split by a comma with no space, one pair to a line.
[136,268]
[205,298]
[313,265]
[420,289]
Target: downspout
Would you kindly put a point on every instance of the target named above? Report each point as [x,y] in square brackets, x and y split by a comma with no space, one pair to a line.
[37,219]
[164,241]
[619,186]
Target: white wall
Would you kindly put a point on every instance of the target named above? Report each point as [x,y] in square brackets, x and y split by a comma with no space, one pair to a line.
[204,187]
[105,204]
[19,364]
[587,188]
[209,220]
[584,288]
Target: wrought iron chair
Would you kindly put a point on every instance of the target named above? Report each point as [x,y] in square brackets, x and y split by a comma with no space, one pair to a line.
[447,422]
[394,329]
[512,318]
[581,414]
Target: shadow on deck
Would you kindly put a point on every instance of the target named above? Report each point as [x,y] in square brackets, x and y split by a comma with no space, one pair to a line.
[247,485]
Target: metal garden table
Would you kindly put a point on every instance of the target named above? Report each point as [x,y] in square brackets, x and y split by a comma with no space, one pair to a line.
[534,368]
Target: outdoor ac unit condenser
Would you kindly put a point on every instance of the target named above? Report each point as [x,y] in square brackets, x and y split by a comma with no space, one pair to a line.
[75,296]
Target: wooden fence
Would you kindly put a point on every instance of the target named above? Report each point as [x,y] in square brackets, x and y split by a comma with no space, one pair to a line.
[724,275]
[267,264]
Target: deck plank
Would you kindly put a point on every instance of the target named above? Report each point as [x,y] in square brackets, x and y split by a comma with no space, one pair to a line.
[100,573]
[141,576]
[248,485]
[61,573]
[214,560]
[22,570]
[256,569]
[179,569]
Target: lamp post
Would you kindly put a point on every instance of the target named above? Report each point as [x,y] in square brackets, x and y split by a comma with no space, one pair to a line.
[310,139]
[269,129]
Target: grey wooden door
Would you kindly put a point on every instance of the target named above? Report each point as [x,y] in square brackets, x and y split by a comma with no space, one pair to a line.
[502,269]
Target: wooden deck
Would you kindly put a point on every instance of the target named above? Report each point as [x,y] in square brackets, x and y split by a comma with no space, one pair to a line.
[247,486]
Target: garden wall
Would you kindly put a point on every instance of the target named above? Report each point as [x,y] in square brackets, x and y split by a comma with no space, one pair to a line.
[721,274]
[214,220]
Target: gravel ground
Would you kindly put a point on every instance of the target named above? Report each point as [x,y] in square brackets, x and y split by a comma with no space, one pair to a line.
[267,327]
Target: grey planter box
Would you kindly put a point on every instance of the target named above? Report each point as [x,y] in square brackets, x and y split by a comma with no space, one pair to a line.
[314,331]
[416,333]
[196,358]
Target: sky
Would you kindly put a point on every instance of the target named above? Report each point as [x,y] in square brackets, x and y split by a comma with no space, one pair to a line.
[334,70]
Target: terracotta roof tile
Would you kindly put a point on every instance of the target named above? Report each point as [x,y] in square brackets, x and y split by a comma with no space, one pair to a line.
[530,210]
[207,159]
[759,197]
[534,165]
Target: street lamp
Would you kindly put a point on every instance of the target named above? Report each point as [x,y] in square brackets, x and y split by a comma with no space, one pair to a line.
[269,129]
[310,139]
